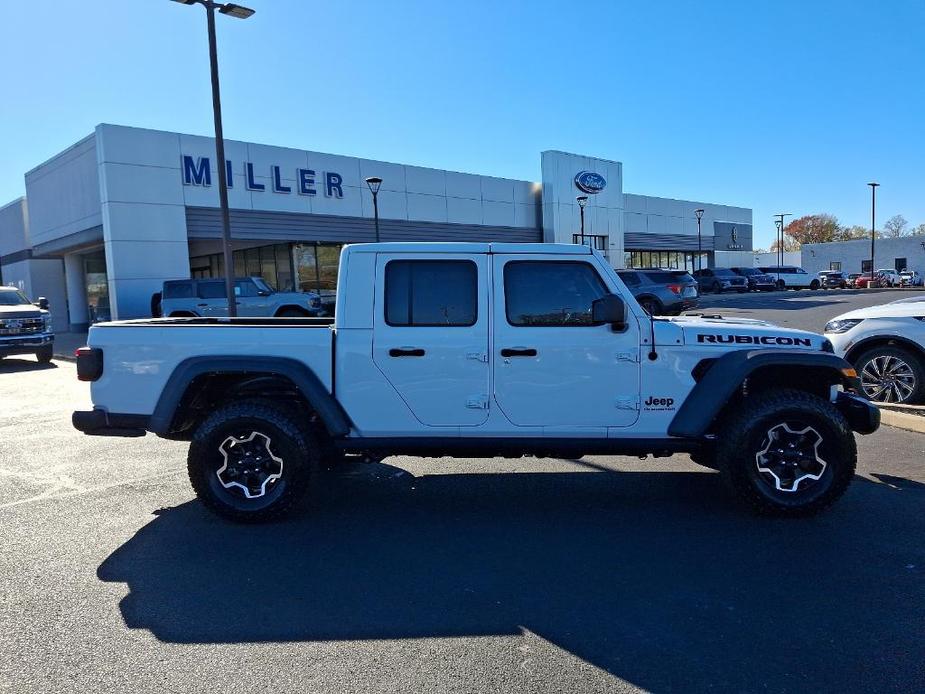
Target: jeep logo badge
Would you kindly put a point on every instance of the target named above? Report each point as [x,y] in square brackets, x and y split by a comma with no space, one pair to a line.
[590,182]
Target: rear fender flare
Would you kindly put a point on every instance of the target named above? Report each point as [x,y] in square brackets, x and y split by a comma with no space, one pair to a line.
[726,375]
[309,385]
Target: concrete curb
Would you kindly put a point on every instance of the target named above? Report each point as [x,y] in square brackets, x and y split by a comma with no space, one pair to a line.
[902,420]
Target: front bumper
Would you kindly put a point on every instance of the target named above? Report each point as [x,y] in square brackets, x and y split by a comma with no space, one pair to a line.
[27,344]
[862,415]
[98,422]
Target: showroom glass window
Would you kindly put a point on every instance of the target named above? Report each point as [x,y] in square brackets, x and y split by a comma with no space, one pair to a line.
[420,293]
[551,293]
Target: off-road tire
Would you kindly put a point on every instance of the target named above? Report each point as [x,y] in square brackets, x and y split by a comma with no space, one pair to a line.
[290,441]
[45,355]
[913,360]
[744,433]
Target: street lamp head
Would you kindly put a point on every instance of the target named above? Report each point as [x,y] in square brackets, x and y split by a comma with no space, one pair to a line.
[374,182]
[699,213]
[873,184]
[236,11]
[187,2]
[582,200]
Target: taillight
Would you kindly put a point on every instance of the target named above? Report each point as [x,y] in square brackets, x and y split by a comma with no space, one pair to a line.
[89,363]
[676,288]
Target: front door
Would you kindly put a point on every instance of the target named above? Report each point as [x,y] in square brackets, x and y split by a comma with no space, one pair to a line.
[553,367]
[430,336]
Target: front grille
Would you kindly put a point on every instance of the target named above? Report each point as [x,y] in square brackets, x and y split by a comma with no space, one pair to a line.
[21,326]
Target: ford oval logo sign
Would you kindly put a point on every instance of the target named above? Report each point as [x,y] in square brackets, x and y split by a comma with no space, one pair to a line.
[590,182]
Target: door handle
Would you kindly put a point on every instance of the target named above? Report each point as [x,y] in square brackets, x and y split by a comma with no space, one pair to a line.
[518,352]
[202,304]
[406,352]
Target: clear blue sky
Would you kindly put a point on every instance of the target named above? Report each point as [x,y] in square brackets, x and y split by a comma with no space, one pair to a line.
[778,106]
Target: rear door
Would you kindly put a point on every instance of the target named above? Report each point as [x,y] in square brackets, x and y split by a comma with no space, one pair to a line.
[552,366]
[211,299]
[430,336]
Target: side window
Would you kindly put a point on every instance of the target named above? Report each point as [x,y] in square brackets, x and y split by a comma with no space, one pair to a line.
[212,290]
[630,279]
[550,293]
[431,293]
[178,290]
[245,288]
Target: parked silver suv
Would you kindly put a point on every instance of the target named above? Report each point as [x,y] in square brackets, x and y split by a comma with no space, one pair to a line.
[254,297]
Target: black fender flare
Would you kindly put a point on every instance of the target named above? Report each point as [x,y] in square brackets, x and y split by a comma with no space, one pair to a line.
[707,399]
[323,402]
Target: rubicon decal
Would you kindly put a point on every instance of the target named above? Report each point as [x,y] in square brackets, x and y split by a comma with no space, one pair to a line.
[755,340]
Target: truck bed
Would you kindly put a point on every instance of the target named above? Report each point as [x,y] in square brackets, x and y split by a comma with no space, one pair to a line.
[140,355]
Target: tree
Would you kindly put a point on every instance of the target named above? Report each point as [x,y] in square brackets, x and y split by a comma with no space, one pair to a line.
[853,232]
[895,227]
[812,228]
[918,231]
[790,244]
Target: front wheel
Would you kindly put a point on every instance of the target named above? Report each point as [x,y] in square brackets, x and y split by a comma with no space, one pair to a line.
[781,285]
[45,355]
[891,374]
[814,285]
[251,461]
[787,453]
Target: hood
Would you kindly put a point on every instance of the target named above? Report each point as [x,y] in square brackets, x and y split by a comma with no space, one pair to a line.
[21,311]
[901,309]
[744,332]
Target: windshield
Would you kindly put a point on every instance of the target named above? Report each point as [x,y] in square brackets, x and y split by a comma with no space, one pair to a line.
[748,271]
[13,297]
[723,272]
[263,285]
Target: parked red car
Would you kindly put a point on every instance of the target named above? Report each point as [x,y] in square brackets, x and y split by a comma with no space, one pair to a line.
[865,281]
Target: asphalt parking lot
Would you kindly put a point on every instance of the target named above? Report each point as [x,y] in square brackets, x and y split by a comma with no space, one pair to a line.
[605,574]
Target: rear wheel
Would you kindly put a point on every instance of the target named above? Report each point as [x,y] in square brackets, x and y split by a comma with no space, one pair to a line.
[251,461]
[787,453]
[814,285]
[781,284]
[891,374]
[651,305]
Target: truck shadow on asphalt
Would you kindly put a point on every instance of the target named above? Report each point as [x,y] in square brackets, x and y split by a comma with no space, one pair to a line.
[13,365]
[654,577]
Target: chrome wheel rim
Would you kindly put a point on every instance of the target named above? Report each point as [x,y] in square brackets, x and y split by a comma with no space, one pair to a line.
[790,460]
[887,378]
[249,467]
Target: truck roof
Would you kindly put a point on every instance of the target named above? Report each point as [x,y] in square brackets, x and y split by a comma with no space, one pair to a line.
[454,247]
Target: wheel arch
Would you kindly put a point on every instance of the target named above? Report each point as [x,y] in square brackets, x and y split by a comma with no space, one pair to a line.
[292,307]
[183,314]
[723,382]
[862,346]
[198,381]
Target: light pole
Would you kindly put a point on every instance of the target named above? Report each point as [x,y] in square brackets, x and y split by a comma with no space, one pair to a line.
[239,12]
[582,200]
[374,182]
[873,218]
[699,214]
[779,222]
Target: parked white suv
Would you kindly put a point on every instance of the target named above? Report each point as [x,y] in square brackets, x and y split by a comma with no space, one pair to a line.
[791,277]
[890,277]
[886,344]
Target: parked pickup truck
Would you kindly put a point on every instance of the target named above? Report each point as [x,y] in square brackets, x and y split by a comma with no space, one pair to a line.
[467,349]
[253,297]
[25,328]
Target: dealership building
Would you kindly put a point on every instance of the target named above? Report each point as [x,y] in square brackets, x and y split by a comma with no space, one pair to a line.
[107,220]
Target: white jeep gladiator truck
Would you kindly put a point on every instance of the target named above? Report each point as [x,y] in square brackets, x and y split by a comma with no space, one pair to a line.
[467,349]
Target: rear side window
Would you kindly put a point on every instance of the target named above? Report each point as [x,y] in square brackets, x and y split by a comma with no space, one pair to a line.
[551,293]
[212,290]
[178,290]
[630,278]
[668,276]
[431,293]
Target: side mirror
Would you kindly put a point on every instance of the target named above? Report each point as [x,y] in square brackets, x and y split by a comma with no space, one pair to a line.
[610,308]
[42,303]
